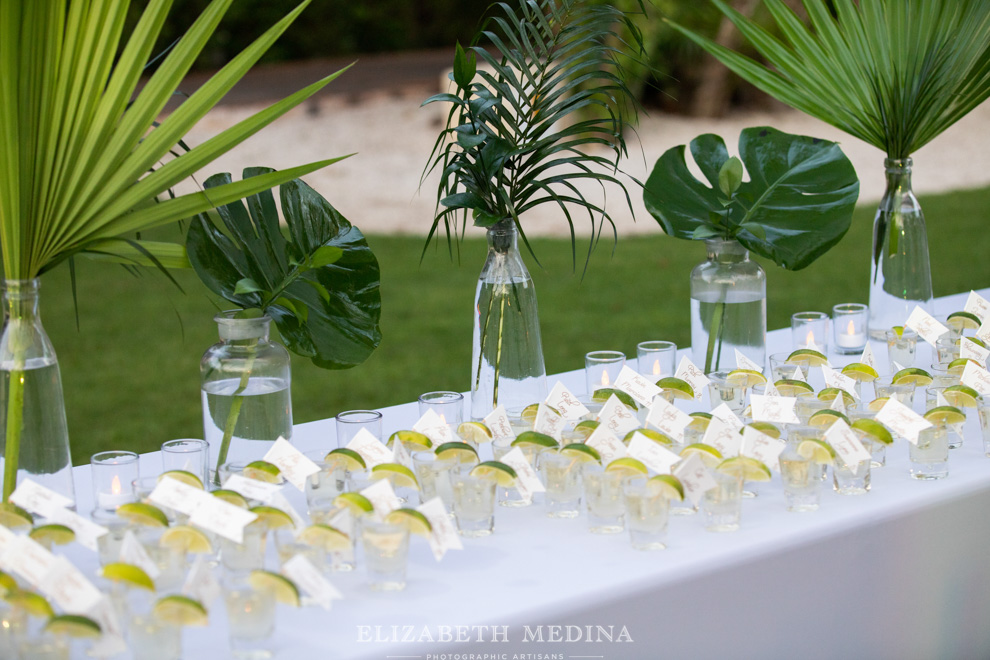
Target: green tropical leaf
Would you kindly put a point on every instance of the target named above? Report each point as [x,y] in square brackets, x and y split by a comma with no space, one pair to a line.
[318,280]
[797,203]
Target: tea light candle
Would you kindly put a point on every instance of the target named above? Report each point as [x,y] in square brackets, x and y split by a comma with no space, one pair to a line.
[810,330]
[656,359]
[601,369]
[849,325]
[113,473]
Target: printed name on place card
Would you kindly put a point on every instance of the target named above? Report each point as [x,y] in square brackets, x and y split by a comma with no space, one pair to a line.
[173,494]
[87,531]
[444,535]
[868,358]
[652,454]
[770,389]
[695,478]
[70,588]
[838,404]
[37,499]
[371,448]
[984,330]
[301,571]
[434,427]
[616,417]
[132,552]
[846,444]
[668,418]
[498,421]
[723,437]
[775,409]
[723,412]
[606,444]
[903,421]
[927,327]
[382,496]
[201,583]
[690,373]
[294,465]
[252,489]
[223,518]
[528,482]
[762,447]
[29,559]
[401,454]
[637,386]
[970,350]
[548,421]
[976,377]
[564,401]
[743,362]
[977,304]
[834,378]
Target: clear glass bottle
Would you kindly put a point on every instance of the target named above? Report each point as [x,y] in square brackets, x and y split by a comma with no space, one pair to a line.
[35,438]
[507,359]
[728,307]
[900,272]
[245,383]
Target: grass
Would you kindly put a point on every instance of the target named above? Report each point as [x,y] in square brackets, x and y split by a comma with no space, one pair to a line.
[130,372]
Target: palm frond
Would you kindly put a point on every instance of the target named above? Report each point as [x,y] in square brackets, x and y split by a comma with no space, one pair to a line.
[892,73]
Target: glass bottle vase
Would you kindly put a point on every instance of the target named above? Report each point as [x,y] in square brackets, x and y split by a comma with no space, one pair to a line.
[900,272]
[507,357]
[245,386]
[35,441]
[728,307]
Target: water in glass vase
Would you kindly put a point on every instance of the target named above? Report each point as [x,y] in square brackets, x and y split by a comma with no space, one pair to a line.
[261,412]
[739,323]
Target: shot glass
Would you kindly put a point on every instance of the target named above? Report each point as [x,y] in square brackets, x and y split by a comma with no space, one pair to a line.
[801,478]
[901,347]
[325,485]
[930,457]
[188,454]
[903,392]
[511,497]
[250,618]
[851,479]
[656,359]
[448,405]
[243,557]
[942,377]
[604,499]
[113,475]
[983,409]
[386,554]
[878,450]
[954,432]
[781,367]
[947,348]
[562,478]
[810,330]
[153,639]
[601,368]
[287,546]
[43,646]
[474,504]
[730,391]
[433,475]
[722,504]
[647,512]
[849,328]
[352,421]
[808,404]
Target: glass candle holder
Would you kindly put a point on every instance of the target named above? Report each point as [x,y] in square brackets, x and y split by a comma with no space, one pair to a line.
[350,422]
[656,359]
[188,454]
[810,330]
[901,347]
[601,368]
[113,474]
[849,328]
[448,405]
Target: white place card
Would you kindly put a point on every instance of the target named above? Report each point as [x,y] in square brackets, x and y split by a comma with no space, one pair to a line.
[382,497]
[695,478]
[723,437]
[111,643]
[223,518]
[173,494]
[444,536]
[762,447]
[252,489]
[976,377]
[37,499]
[617,418]
[983,332]
[977,304]
[724,413]
[434,427]
[868,357]
[6,538]
[970,350]
[940,399]
[846,443]
[528,482]
[694,376]
[838,404]
[401,455]
[498,421]
[835,378]
[926,325]
[29,559]
[799,375]
[668,418]
[200,583]
[775,409]
[548,422]
[898,366]
[642,389]
[770,390]
[652,454]
[280,501]
[743,362]
[132,552]
[295,466]
[319,589]
[565,402]
[372,450]
[606,444]
[343,520]
[903,421]
[69,588]
[87,531]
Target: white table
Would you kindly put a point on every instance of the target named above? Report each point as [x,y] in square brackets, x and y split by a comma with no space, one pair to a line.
[899,573]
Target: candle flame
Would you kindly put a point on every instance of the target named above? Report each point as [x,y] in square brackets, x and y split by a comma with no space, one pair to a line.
[443,420]
[115,486]
[605,381]
[810,339]
[851,329]
[656,367]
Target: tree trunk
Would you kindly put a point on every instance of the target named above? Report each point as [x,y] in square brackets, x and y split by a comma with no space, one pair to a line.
[711,98]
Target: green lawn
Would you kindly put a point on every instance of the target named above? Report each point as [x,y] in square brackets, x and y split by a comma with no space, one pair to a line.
[131,375]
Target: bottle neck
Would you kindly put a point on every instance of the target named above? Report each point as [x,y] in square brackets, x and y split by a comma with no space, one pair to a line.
[20,298]
[898,172]
[246,331]
[725,251]
[502,236]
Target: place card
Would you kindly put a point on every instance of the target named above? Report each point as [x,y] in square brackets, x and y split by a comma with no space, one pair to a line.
[689,372]
[401,455]
[28,558]
[200,583]
[252,489]
[606,444]
[976,377]
[87,531]
[434,427]
[498,422]
[35,498]
[770,389]
[838,404]
[444,536]
[223,518]
[799,375]
[638,387]
[564,401]
[280,501]
[548,421]
[616,417]
[173,494]
[723,437]
[868,357]
[902,420]
[372,450]
[743,362]
[301,571]
[695,478]
[69,588]
[528,482]
[668,418]
[6,538]
[343,521]
[111,643]
[132,552]
[846,444]
[382,497]
[970,350]
[775,409]
[762,447]
[652,454]
[834,378]
[983,332]
[977,304]
[927,327]
[725,413]
[295,466]
[898,366]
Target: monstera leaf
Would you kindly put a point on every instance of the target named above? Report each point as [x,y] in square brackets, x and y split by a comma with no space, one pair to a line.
[796,205]
[317,279]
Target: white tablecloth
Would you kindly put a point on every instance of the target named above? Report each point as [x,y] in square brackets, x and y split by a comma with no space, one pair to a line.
[899,573]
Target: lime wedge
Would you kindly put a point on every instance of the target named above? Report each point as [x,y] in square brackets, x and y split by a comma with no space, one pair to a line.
[411,440]
[231,497]
[14,517]
[263,471]
[745,378]
[829,393]
[586,427]
[412,520]
[877,431]
[670,486]
[284,589]
[534,438]
[141,513]
[945,415]
[7,584]
[700,420]
[180,611]
[826,417]
[52,534]
[792,387]
[898,330]
[503,475]
[877,404]
[627,466]
[961,396]
[818,451]
[960,321]
[807,357]
[748,468]
[476,432]
[652,434]
[912,376]
[582,452]
[329,539]
[459,451]
[356,503]
[708,454]
[529,413]
[183,476]
[677,388]
[346,458]
[129,574]
[74,626]
[33,603]
[271,517]
[958,366]
[186,539]
[858,371]
[399,475]
[604,393]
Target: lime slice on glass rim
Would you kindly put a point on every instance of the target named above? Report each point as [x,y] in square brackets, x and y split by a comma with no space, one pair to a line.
[270,517]
[945,416]
[186,539]
[129,574]
[263,471]
[412,520]
[180,611]
[582,452]
[670,486]
[792,387]
[535,438]
[826,417]
[503,474]
[816,450]
[398,474]
[628,466]
[709,455]
[750,469]
[52,534]
[877,431]
[961,396]
[807,357]
[960,321]
[745,378]
[231,497]
[183,476]
[142,513]
[411,440]
[355,503]
[858,371]
[912,376]
[652,434]
[678,388]
[346,458]
[461,452]
[604,393]
[325,537]
[476,432]
[74,626]
[282,588]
